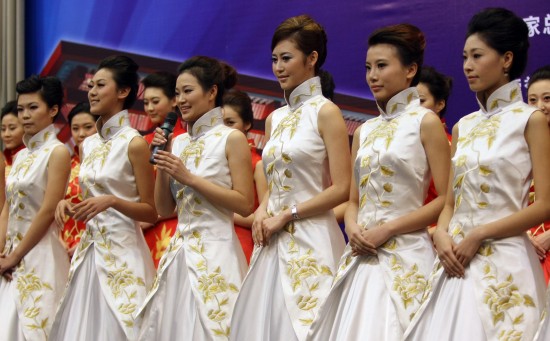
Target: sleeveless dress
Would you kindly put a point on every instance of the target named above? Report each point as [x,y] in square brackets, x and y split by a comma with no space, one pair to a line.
[158,236]
[111,268]
[374,297]
[502,295]
[200,274]
[290,278]
[28,302]
[73,229]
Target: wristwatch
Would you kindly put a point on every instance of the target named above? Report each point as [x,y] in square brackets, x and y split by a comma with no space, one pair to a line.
[294,212]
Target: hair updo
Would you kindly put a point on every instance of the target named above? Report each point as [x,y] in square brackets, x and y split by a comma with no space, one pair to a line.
[49,88]
[438,84]
[409,42]
[124,71]
[503,31]
[209,72]
[307,34]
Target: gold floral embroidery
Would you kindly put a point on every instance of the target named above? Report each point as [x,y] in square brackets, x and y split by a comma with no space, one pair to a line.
[213,286]
[289,122]
[511,97]
[501,296]
[487,128]
[409,283]
[371,165]
[121,280]
[344,265]
[193,150]
[31,289]
[304,272]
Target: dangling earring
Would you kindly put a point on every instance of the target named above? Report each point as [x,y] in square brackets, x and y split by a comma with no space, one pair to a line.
[506,73]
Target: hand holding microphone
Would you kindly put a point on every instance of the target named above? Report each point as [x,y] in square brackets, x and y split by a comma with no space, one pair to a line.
[167,128]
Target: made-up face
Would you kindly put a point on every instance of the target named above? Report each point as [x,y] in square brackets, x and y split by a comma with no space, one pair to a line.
[82,126]
[427,100]
[484,67]
[291,66]
[12,131]
[386,75]
[191,99]
[157,105]
[232,119]
[106,99]
[538,95]
[33,113]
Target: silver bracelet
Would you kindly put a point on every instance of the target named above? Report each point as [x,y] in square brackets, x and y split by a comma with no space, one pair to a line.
[294,212]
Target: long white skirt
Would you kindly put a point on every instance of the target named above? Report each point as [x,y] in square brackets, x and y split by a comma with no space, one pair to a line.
[260,312]
[543,334]
[452,313]
[85,314]
[10,328]
[172,313]
[359,308]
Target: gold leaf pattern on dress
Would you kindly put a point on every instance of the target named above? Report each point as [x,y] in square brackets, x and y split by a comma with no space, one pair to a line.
[501,296]
[487,129]
[304,271]
[213,287]
[30,288]
[289,122]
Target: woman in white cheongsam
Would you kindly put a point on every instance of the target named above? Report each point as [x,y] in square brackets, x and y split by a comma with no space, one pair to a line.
[384,271]
[307,165]
[487,283]
[111,268]
[33,264]
[205,176]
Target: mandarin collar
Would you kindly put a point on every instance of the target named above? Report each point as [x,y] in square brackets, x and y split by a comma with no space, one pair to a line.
[206,122]
[34,143]
[113,125]
[502,97]
[303,92]
[399,103]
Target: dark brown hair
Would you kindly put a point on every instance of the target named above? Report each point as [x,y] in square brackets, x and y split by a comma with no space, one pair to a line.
[241,103]
[164,81]
[209,72]
[540,74]
[503,31]
[306,33]
[49,88]
[124,71]
[438,84]
[409,42]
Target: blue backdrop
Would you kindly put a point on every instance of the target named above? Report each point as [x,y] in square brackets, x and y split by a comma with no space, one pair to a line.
[240,31]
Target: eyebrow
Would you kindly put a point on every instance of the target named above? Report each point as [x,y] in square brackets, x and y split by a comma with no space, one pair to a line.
[22,105]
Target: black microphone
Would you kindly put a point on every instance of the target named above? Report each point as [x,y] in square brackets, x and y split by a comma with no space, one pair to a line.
[167,128]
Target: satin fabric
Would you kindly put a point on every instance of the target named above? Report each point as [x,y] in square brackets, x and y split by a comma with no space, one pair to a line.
[296,166]
[122,260]
[374,297]
[99,322]
[40,277]
[543,332]
[158,236]
[205,242]
[492,175]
